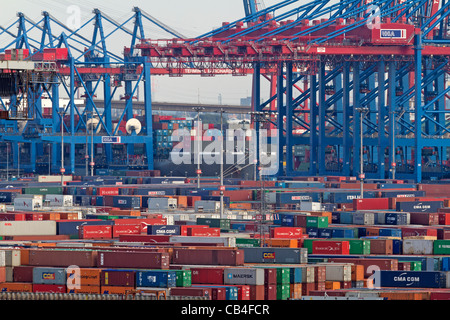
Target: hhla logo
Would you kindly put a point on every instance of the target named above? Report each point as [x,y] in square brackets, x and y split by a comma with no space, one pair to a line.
[264,149]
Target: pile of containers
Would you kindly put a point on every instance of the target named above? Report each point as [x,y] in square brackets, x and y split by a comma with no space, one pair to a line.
[139,232]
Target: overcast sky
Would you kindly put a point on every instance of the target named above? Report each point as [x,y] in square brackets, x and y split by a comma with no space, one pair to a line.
[189,17]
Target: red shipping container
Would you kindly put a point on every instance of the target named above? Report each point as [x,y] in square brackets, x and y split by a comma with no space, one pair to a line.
[125,229]
[207,275]
[236,195]
[23,274]
[307,288]
[184,228]
[243,292]
[34,216]
[204,232]
[117,278]
[270,276]
[270,292]
[444,218]
[443,234]
[105,191]
[418,231]
[95,232]
[286,232]
[424,218]
[117,259]
[51,288]
[440,295]
[381,246]
[257,292]
[191,292]
[371,204]
[331,247]
[320,273]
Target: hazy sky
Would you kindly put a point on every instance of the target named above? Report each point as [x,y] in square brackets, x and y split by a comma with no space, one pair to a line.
[189,17]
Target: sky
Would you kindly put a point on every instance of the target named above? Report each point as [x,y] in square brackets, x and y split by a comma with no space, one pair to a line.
[190,18]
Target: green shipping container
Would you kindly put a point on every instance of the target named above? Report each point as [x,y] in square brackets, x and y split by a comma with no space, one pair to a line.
[247,243]
[283,276]
[441,247]
[316,222]
[42,190]
[283,291]
[184,278]
[215,222]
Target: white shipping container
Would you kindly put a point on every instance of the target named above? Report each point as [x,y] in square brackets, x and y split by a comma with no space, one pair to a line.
[28,228]
[226,241]
[12,257]
[207,206]
[310,206]
[2,259]
[338,272]
[417,246]
[27,204]
[59,200]
[53,178]
[308,274]
[363,218]
[246,276]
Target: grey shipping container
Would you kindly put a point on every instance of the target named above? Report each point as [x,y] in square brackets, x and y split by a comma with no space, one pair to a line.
[245,276]
[49,275]
[275,255]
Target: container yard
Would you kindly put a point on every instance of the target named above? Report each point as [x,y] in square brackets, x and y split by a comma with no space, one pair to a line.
[93,247]
[335,187]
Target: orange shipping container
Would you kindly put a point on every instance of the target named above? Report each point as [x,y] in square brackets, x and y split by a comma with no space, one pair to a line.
[115,290]
[241,205]
[2,274]
[296,290]
[84,277]
[405,295]
[332,285]
[85,290]
[357,272]
[51,216]
[283,243]
[16,287]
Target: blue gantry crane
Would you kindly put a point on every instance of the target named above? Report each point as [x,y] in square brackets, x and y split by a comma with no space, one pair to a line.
[361,85]
[67,68]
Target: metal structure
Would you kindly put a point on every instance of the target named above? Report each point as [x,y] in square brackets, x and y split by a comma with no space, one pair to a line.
[329,60]
[325,59]
[36,63]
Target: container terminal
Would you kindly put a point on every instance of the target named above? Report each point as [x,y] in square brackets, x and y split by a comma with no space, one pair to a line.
[335,188]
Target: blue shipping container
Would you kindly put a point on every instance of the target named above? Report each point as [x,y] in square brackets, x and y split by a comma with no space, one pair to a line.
[156,278]
[419,206]
[410,279]
[388,232]
[164,229]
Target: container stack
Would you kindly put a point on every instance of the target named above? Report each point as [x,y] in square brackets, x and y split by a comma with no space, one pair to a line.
[141,232]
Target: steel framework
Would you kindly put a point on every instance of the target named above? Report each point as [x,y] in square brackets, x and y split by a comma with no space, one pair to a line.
[325,59]
[332,59]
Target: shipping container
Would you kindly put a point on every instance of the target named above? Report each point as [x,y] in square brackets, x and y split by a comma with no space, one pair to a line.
[49,275]
[156,278]
[419,206]
[331,247]
[410,279]
[275,255]
[143,260]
